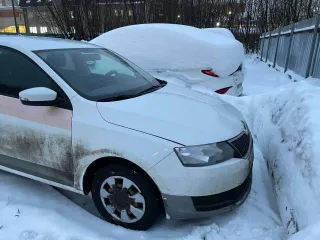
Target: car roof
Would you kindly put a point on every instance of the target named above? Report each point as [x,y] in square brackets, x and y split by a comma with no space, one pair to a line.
[42,43]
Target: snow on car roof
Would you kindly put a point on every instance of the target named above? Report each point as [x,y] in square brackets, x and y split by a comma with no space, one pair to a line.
[174,47]
[222,31]
[42,43]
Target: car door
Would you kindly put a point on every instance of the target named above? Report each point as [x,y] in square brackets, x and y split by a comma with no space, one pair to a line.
[35,140]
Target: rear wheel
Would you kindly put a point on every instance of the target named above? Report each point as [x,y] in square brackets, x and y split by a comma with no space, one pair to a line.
[125,197]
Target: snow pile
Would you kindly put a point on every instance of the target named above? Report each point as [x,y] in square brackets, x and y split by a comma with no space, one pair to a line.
[286,125]
[310,233]
[174,47]
[222,31]
[259,78]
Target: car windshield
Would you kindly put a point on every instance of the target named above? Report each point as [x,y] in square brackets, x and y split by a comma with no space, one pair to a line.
[98,74]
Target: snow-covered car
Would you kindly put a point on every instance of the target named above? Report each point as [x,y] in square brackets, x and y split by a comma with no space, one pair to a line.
[191,55]
[79,117]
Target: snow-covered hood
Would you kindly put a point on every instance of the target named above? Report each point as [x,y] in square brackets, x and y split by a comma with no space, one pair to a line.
[177,114]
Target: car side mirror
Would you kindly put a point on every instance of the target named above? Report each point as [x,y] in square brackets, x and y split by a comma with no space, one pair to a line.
[39,96]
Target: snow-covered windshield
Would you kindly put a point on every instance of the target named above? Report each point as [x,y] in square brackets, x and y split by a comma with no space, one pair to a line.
[98,74]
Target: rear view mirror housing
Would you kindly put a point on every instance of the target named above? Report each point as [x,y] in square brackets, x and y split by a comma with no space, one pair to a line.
[91,56]
[39,96]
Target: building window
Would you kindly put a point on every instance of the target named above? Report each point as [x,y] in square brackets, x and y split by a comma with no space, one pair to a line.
[33,30]
[43,29]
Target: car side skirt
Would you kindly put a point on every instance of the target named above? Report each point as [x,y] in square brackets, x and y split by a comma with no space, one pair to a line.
[38,173]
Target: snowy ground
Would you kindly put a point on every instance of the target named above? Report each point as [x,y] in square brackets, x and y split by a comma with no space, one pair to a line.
[281,114]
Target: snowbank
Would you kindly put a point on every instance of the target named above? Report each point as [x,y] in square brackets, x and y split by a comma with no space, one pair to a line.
[310,233]
[174,47]
[222,31]
[287,127]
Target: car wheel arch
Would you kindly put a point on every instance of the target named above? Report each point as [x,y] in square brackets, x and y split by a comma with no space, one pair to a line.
[104,162]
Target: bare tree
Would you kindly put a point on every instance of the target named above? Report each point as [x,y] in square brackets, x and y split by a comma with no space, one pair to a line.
[85,19]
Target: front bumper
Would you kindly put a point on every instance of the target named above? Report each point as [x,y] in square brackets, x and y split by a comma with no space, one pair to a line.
[185,207]
[204,205]
[192,192]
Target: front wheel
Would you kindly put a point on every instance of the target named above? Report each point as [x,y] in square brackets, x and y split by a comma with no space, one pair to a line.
[125,197]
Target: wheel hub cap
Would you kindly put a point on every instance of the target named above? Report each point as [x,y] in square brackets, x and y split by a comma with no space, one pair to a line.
[122,199]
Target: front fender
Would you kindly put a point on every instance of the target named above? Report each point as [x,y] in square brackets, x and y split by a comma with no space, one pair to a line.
[85,161]
[93,138]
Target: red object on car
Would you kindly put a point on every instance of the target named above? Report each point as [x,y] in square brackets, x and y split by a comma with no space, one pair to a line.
[210,73]
[223,90]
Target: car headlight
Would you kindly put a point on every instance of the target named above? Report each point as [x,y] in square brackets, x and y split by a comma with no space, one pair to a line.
[204,155]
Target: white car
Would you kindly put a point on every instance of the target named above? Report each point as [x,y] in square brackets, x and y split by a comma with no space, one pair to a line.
[172,52]
[78,117]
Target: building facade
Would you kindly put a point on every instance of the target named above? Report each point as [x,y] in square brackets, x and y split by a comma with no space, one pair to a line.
[78,16]
[8,17]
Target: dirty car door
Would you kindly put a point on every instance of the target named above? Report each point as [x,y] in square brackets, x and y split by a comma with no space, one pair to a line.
[33,139]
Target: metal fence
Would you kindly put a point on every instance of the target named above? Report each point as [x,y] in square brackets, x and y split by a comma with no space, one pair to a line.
[294,47]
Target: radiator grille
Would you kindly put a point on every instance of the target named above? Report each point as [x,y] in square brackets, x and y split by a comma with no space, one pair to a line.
[241,144]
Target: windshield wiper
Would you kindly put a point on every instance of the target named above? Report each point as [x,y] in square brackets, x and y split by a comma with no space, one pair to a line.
[127,96]
[149,90]
[118,98]
[153,88]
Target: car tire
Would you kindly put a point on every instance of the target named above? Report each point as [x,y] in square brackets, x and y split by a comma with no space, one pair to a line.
[139,210]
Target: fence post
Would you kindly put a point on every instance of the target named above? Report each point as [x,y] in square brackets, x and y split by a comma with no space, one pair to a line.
[276,53]
[315,54]
[268,46]
[314,38]
[262,46]
[289,48]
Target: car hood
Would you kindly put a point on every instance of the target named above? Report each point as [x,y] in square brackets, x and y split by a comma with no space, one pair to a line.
[177,114]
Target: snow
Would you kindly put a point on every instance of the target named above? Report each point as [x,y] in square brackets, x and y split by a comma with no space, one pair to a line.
[284,120]
[284,123]
[222,31]
[304,29]
[281,112]
[149,45]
